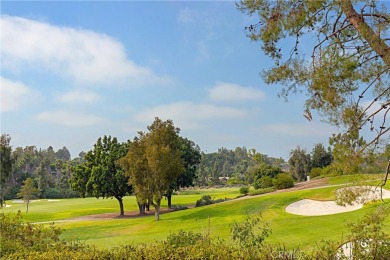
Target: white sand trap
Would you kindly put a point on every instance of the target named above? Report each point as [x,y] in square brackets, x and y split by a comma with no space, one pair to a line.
[307,207]
[52,200]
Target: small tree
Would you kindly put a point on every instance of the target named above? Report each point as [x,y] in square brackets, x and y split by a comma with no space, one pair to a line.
[28,191]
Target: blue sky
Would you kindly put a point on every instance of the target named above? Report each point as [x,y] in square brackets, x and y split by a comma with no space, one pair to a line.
[74,71]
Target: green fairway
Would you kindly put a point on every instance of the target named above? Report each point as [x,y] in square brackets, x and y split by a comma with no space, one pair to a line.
[292,230]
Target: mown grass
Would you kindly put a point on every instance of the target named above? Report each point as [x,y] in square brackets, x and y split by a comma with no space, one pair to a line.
[292,230]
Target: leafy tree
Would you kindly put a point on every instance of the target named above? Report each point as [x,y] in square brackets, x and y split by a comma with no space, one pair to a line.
[320,158]
[190,153]
[299,163]
[154,161]
[100,175]
[28,191]
[63,154]
[283,181]
[346,77]
[6,161]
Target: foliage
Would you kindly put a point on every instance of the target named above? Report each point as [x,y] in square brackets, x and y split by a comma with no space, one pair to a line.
[263,182]
[207,200]
[6,162]
[244,190]
[299,163]
[320,158]
[100,175]
[251,232]
[154,162]
[191,157]
[261,191]
[283,181]
[348,69]
[20,237]
[28,191]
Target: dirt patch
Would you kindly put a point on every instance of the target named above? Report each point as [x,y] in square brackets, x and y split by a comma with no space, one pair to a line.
[128,214]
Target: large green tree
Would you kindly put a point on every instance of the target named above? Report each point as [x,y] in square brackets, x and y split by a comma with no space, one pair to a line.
[299,163]
[101,175]
[334,51]
[190,153]
[6,161]
[154,161]
[320,157]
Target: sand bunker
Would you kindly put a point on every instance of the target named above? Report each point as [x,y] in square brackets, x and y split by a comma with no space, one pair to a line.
[307,207]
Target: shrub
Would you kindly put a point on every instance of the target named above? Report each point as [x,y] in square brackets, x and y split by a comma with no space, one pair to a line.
[205,200]
[244,190]
[263,182]
[283,181]
[261,191]
[315,172]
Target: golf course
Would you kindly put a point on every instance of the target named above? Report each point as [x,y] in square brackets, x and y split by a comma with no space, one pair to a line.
[97,222]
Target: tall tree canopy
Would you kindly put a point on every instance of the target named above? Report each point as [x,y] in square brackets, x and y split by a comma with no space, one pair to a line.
[6,162]
[100,175]
[190,153]
[154,161]
[336,52]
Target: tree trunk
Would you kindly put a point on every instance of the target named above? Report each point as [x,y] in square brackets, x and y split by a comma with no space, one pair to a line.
[141,207]
[169,197]
[27,206]
[157,210]
[120,200]
[147,205]
[374,40]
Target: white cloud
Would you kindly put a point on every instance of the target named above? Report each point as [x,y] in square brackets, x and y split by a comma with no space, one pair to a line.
[83,55]
[188,115]
[14,95]
[66,118]
[79,96]
[223,91]
[299,130]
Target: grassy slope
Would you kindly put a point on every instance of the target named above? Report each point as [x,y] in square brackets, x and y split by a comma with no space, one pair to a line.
[286,228]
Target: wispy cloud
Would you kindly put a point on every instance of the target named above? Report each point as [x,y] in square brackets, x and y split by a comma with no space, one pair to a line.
[83,55]
[15,94]
[188,115]
[79,96]
[67,118]
[230,92]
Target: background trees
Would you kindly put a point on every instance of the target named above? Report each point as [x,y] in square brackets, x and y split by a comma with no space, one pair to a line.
[100,175]
[5,164]
[346,77]
[299,163]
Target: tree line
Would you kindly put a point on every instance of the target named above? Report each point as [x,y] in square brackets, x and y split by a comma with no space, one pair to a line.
[155,164]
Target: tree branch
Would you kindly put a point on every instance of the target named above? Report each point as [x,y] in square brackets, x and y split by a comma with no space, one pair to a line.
[366,31]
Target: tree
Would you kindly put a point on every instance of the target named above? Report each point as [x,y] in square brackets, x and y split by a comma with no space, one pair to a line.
[63,154]
[346,78]
[28,191]
[154,161]
[320,158]
[190,153]
[100,175]
[299,163]
[6,162]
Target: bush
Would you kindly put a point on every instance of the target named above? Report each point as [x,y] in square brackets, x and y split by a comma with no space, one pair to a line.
[244,190]
[263,182]
[315,172]
[205,200]
[261,191]
[283,181]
